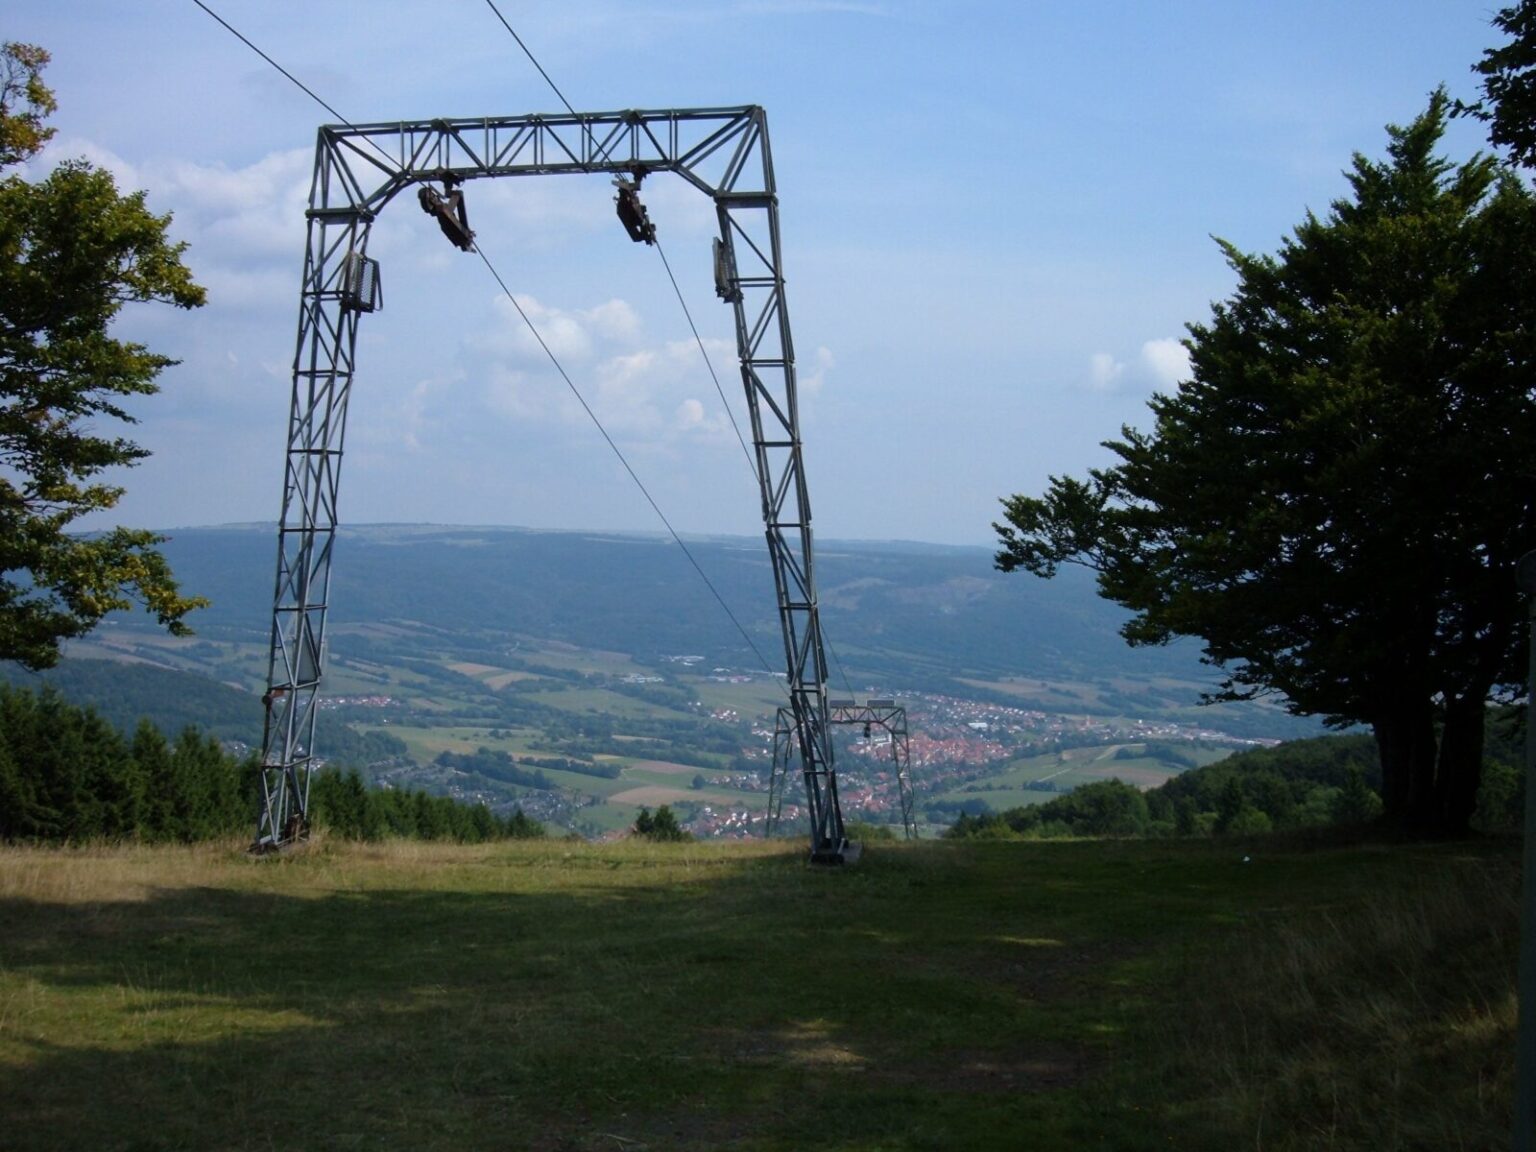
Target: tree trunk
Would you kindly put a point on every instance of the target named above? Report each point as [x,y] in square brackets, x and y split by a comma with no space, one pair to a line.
[1405,738]
[1429,784]
[1460,768]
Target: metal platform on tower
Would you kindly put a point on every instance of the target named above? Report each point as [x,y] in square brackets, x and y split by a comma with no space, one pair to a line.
[887,716]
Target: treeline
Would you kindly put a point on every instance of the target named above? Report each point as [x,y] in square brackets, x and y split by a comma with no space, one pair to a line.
[122,694]
[342,805]
[1302,784]
[125,694]
[67,775]
[1329,780]
[492,764]
[343,745]
[608,771]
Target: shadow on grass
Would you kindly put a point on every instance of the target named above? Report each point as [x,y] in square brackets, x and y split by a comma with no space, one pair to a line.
[933,998]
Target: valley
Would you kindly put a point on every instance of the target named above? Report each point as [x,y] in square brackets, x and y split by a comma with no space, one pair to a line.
[581,677]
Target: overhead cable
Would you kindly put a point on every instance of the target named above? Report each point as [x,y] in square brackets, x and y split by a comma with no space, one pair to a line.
[709,364]
[531,327]
[644,491]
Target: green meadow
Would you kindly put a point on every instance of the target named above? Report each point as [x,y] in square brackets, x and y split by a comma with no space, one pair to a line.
[571,996]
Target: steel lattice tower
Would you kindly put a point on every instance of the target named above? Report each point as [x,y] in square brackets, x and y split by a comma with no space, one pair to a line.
[887,715]
[723,152]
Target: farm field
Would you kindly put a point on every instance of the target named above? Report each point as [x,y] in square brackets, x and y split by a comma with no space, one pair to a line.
[417,703]
[1071,767]
[557,665]
[575,997]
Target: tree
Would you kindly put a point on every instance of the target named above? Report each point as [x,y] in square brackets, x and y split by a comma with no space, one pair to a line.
[25,102]
[153,756]
[521,826]
[1509,85]
[662,827]
[73,252]
[1102,808]
[1355,803]
[1334,503]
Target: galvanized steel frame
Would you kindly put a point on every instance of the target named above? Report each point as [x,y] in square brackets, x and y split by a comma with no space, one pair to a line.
[724,152]
[885,714]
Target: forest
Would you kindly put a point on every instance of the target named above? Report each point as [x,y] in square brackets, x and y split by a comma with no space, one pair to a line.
[1327,781]
[67,775]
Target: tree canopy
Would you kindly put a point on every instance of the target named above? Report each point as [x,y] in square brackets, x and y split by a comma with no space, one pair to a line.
[1334,503]
[73,252]
[1509,84]
[663,826]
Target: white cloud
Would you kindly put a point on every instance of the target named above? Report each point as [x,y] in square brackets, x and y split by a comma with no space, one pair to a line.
[811,380]
[244,227]
[1167,360]
[702,421]
[1104,372]
[649,395]
[64,148]
[514,395]
[615,320]
[257,210]
[1159,365]
[571,335]
[415,423]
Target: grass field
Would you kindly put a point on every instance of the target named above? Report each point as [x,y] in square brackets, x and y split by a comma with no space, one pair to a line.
[1067,770]
[560,996]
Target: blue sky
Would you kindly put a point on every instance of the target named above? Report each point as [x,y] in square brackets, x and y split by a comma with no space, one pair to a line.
[997,221]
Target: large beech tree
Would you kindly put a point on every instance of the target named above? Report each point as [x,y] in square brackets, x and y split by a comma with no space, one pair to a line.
[73,252]
[1334,503]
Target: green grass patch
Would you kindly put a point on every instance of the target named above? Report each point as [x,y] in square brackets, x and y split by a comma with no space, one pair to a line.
[605,817]
[565,658]
[601,700]
[752,698]
[579,997]
[1008,789]
[1000,799]
[425,744]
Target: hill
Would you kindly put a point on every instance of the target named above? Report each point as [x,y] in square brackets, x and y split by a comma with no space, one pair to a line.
[896,615]
[605,677]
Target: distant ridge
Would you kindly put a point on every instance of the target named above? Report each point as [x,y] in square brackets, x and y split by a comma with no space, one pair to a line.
[896,614]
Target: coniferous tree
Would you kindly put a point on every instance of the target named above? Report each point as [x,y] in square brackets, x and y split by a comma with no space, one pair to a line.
[56,757]
[112,782]
[521,826]
[17,799]
[661,827]
[152,755]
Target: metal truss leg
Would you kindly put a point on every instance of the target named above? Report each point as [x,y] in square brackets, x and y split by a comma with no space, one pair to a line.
[322,382]
[901,752]
[749,276]
[783,754]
